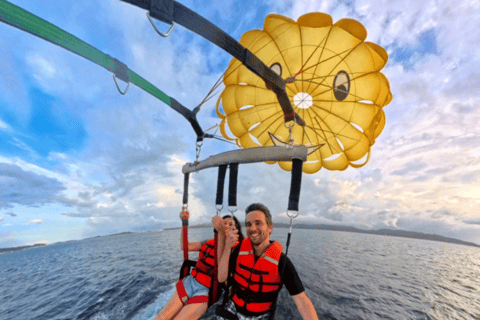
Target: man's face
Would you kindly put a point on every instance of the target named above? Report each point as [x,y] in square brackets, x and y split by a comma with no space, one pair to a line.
[258,231]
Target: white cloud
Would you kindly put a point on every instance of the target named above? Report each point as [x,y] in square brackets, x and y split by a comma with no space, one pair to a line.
[36,221]
[25,187]
[3,125]
[423,173]
[43,67]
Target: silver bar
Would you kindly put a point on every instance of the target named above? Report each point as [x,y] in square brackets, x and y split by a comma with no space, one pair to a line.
[251,155]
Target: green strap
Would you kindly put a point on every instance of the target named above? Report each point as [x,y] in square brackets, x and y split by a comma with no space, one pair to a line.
[24,20]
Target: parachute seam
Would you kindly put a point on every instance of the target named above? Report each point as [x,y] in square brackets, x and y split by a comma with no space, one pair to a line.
[276,45]
[342,59]
[324,41]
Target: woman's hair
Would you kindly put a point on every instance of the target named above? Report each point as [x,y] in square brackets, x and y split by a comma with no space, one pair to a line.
[237,225]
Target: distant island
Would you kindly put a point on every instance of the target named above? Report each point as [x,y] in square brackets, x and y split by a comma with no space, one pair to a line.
[384,232]
[5,250]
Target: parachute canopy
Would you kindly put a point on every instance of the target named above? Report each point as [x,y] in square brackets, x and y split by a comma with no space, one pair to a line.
[333,82]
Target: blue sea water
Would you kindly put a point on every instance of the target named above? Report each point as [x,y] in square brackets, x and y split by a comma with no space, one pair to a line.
[346,275]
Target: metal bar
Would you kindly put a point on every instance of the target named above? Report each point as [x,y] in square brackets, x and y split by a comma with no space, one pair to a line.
[251,155]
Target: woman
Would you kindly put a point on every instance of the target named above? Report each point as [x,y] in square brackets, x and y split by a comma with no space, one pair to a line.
[190,299]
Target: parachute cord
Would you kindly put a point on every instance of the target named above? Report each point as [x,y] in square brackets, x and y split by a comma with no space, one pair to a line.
[289,233]
[224,140]
[209,94]
[293,79]
[290,139]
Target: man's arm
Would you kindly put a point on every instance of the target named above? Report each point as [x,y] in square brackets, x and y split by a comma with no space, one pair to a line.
[295,287]
[305,306]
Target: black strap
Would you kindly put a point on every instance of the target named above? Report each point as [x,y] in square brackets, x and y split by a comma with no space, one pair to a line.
[222,171]
[295,185]
[185,269]
[293,202]
[185,188]
[232,185]
[191,117]
[250,296]
[162,10]
[224,313]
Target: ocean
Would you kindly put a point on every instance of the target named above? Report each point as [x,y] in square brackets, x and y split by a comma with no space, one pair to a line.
[346,275]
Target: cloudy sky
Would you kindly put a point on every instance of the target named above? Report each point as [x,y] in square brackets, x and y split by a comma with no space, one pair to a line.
[77,159]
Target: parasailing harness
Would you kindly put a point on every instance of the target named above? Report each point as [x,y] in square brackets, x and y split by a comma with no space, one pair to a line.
[231,160]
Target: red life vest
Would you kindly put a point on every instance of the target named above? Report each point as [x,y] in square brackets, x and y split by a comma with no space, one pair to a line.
[257,283]
[203,270]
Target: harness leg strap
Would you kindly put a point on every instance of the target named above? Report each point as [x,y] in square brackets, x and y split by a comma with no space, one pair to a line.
[182,293]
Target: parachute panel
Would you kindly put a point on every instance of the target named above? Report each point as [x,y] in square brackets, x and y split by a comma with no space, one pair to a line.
[333,82]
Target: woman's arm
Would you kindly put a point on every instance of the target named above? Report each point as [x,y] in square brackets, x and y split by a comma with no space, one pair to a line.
[192,246]
[218,225]
[230,239]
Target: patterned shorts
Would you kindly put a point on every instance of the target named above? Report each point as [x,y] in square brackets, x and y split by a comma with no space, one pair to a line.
[230,306]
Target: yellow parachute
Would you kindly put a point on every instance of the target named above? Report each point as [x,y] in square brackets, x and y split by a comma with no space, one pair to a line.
[333,81]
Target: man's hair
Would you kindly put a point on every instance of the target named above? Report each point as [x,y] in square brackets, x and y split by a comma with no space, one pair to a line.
[260,207]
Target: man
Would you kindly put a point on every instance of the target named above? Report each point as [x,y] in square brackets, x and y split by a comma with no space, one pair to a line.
[255,268]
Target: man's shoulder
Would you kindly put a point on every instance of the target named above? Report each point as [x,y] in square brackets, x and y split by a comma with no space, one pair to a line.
[286,262]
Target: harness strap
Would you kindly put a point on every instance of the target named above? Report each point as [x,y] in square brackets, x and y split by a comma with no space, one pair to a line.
[185,269]
[185,188]
[214,292]
[224,313]
[295,185]
[186,265]
[222,171]
[250,296]
[182,293]
[232,186]
[293,202]
[162,10]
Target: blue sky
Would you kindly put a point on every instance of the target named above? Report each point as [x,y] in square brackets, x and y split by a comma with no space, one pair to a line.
[77,159]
